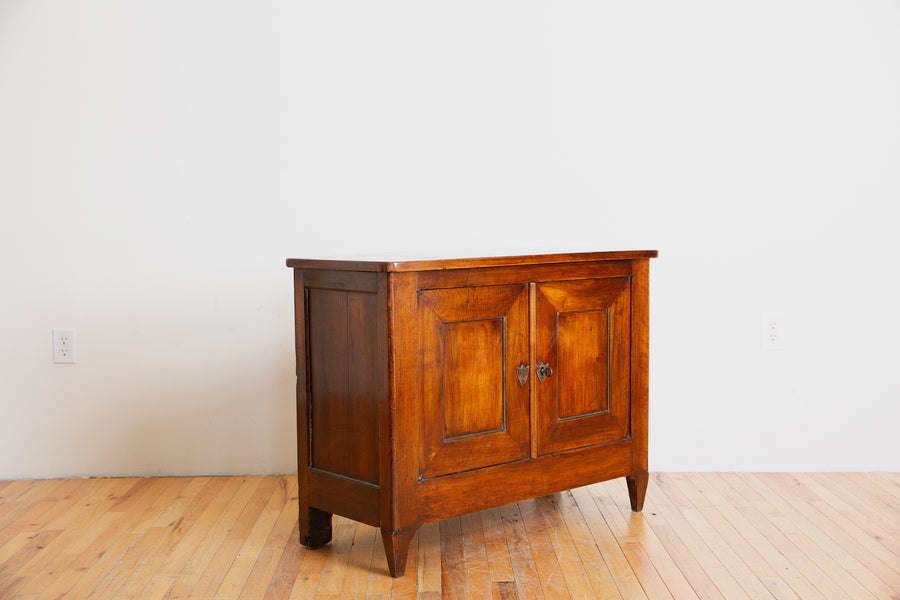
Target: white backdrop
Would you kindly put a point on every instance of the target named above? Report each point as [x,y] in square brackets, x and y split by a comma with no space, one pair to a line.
[160,160]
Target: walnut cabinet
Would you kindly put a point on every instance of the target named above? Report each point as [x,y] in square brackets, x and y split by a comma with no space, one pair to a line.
[432,388]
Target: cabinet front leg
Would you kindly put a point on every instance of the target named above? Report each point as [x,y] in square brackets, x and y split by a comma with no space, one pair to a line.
[396,547]
[315,527]
[637,489]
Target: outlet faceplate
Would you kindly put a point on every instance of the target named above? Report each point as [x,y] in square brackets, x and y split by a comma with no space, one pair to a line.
[771,336]
[64,346]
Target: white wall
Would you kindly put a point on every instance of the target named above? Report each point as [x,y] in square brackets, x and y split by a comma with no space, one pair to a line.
[160,160]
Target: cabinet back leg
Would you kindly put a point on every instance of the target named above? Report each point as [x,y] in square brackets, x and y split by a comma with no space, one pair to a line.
[637,490]
[396,547]
[315,527]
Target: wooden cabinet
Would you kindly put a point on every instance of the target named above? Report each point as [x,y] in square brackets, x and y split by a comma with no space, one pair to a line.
[432,388]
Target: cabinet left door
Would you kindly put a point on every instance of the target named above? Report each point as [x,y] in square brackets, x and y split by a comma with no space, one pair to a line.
[475,411]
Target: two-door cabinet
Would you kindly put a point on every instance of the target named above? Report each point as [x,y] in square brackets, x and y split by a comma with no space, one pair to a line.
[432,388]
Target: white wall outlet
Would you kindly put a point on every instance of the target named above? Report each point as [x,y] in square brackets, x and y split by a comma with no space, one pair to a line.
[64,346]
[770,332]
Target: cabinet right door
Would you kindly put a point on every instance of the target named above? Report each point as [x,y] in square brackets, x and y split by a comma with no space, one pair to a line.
[582,334]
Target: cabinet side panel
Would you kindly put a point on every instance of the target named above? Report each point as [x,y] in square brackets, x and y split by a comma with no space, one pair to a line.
[640,343]
[343,370]
[302,394]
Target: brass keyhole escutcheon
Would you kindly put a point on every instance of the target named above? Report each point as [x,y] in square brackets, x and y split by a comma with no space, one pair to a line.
[522,374]
[543,371]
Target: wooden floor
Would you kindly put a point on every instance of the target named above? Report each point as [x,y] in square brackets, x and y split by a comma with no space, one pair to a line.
[725,536]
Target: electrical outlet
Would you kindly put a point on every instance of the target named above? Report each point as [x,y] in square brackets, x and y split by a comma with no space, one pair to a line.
[64,346]
[770,332]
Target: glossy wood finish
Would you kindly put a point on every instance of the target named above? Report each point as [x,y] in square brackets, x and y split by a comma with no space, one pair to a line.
[341,382]
[583,333]
[409,405]
[735,536]
[472,340]
[398,264]
[640,373]
[342,365]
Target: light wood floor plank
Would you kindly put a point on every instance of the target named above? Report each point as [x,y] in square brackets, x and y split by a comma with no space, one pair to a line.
[673,506]
[288,568]
[36,515]
[553,583]
[109,549]
[695,488]
[307,581]
[623,573]
[84,561]
[809,538]
[528,583]
[205,550]
[496,548]
[634,528]
[23,501]
[790,544]
[188,531]
[166,537]
[9,588]
[888,483]
[253,545]
[741,572]
[404,588]
[478,576]
[428,571]
[335,567]
[598,573]
[689,564]
[868,570]
[453,568]
[733,506]
[850,521]
[866,489]
[25,490]
[773,536]
[577,581]
[216,571]
[504,590]
[380,581]
[630,543]
[681,555]
[77,525]
[884,526]
[356,578]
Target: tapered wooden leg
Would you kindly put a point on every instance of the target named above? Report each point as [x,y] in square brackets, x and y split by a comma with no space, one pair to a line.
[315,527]
[637,489]
[396,547]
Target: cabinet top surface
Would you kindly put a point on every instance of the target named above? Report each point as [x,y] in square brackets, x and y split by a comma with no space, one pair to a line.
[398,263]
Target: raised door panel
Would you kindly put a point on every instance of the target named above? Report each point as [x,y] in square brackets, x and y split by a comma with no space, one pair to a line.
[582,333]
[342,383]
[475,411]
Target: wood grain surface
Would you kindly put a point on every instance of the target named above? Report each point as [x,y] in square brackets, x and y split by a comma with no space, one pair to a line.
[701,535]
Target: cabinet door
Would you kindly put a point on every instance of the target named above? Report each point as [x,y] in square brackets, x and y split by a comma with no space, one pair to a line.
[582,332]
[474,411]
